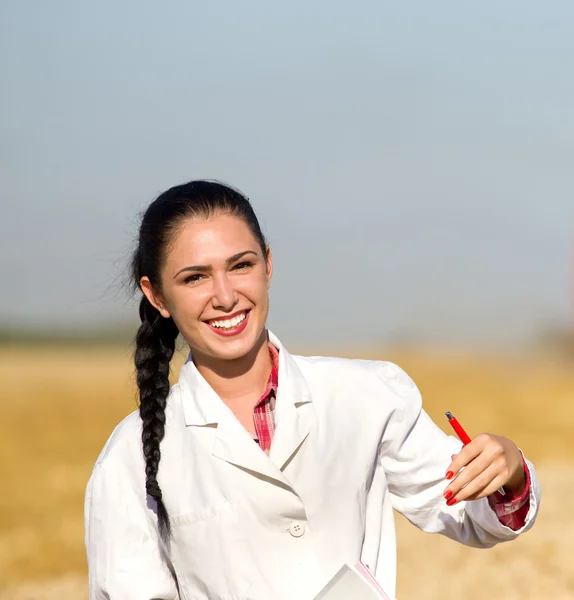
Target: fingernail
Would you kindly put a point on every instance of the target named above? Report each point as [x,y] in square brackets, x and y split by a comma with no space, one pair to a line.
[451,502]
[449,475]
[448,494]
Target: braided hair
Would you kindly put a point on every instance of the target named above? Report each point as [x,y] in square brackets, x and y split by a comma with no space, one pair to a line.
[156,336]
[155,345]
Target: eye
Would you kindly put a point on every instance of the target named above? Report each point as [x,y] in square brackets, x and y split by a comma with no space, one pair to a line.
[243,266]
[193,278]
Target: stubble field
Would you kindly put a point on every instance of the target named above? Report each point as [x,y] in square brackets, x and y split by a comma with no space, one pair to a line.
[58,406]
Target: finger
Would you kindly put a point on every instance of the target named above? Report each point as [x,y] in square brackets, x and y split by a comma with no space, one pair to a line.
[450,474]
[463,458]
[468,453]
[480,464]
[490,489]
[476,487]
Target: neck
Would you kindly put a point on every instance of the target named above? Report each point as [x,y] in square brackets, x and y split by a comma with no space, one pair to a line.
[242,378]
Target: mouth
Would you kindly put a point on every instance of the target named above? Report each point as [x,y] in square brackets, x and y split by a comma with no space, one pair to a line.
[232,325]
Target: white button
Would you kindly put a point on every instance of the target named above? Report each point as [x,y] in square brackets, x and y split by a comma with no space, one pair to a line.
[297,529]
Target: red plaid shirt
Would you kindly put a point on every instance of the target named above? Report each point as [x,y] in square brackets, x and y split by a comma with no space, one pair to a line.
[511,510]
[263,417]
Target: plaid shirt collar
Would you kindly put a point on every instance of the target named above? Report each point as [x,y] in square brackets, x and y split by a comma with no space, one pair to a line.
[263,411]
[273,380]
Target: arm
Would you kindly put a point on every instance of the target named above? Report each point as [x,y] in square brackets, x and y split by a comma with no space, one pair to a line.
[124,557]
[416,455]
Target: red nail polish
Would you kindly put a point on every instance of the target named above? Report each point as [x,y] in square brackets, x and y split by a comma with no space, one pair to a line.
[451,502]
[448,494]
[449,475]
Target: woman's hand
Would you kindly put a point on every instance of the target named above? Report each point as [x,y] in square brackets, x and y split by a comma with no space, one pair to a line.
[484,465]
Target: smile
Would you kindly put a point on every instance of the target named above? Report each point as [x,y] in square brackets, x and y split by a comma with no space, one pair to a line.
[231,325]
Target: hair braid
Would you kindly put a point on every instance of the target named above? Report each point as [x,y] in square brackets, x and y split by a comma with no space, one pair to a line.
[155,345]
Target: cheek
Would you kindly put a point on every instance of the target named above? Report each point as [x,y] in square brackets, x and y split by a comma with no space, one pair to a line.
[256,289]
[188,303]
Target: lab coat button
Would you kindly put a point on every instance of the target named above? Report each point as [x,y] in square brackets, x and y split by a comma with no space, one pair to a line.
[297,529]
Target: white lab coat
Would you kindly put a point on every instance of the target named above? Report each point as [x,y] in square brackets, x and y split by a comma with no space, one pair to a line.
[351,444]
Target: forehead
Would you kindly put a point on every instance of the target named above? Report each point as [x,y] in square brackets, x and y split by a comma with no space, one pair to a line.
[209,241]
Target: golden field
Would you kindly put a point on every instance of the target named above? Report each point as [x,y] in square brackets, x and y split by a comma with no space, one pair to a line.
[58,406]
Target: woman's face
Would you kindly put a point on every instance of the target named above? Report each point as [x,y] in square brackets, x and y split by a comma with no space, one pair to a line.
[215,285]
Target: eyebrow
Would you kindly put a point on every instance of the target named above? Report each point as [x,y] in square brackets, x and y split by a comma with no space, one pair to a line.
[207,268]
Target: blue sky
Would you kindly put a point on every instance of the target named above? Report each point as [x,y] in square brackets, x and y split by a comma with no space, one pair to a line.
[412,164]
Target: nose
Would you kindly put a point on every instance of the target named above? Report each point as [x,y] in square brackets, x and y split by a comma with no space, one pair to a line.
[224,296]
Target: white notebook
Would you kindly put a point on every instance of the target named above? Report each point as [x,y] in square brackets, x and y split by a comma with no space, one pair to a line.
[353,583]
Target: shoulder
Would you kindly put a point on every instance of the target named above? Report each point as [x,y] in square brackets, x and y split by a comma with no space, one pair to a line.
[388,372]
[123,449]
[347,369]
[123,444]
[378,376]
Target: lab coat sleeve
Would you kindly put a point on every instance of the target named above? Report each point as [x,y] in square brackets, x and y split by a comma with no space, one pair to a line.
[124,559]
[415,454]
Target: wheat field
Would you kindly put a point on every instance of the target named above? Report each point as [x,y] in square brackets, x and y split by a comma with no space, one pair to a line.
[59,406]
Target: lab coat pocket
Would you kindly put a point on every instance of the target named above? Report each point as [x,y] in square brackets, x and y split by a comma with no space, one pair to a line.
[210,553]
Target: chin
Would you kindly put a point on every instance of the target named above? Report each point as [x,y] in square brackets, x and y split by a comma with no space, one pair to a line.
[232,349]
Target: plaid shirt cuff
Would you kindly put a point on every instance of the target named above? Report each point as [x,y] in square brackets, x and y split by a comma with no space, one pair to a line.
[512,510]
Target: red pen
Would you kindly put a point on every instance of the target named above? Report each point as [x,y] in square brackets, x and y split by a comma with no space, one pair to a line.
[463,436]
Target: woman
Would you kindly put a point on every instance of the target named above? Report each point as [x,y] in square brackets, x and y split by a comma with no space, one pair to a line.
[259,474]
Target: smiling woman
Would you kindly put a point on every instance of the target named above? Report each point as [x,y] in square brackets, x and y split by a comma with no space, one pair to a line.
[222,294]
[259,474]
[224,291]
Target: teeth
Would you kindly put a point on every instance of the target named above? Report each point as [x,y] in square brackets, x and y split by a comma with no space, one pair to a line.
[228,323]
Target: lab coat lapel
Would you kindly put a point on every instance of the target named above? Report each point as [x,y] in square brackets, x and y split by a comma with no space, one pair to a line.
[234,445]
[231,442]
[294,414]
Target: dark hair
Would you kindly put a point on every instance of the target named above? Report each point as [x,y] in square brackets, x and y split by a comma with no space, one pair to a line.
[155,339]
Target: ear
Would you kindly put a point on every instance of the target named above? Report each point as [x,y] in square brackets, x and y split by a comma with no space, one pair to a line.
[154,298]
[269,266]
